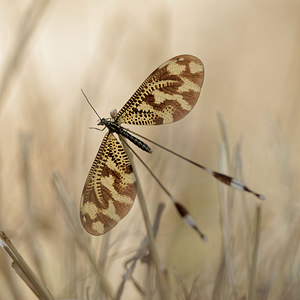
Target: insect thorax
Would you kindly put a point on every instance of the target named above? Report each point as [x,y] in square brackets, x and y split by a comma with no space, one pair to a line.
[112,126]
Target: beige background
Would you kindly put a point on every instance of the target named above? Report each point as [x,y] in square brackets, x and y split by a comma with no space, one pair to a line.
[250,50]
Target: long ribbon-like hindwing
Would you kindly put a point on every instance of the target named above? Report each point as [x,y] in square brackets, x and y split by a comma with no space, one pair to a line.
[167,95]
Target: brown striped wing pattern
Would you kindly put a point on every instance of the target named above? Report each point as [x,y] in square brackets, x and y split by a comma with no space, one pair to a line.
[110,188]
[167,95]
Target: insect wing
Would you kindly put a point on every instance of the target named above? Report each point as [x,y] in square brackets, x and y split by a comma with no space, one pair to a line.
[110,188]
[167,95]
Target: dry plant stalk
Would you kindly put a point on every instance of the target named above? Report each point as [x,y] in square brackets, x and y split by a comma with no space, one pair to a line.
[226,281]
[141,254]
[160,269]
[23,270]
[251,293]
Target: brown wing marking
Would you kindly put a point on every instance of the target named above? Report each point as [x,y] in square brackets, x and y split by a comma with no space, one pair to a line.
[167,95]
[110,188]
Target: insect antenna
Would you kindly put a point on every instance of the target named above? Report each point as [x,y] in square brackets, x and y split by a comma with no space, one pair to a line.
[234,183]
[86,98]
[183,212]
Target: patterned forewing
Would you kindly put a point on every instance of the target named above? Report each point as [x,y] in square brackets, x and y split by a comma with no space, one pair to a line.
[167,95]
[110,188]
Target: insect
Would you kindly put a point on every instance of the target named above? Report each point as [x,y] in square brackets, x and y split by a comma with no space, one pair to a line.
[167,95]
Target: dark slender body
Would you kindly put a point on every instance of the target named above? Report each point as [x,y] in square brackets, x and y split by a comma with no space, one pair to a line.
[115,127]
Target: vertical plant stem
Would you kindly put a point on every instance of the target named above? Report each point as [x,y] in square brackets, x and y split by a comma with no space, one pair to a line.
[251,293]
[161,279]
[226,220]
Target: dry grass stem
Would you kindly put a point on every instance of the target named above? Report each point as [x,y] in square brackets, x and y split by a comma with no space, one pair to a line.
[142,254]
[23,269]
[159,267]
[252,284]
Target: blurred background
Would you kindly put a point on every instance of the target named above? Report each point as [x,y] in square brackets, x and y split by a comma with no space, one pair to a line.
[250,49]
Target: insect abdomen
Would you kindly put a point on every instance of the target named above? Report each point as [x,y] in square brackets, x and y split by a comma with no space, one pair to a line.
[135,140]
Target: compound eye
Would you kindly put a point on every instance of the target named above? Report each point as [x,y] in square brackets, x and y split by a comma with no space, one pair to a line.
[102,121]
